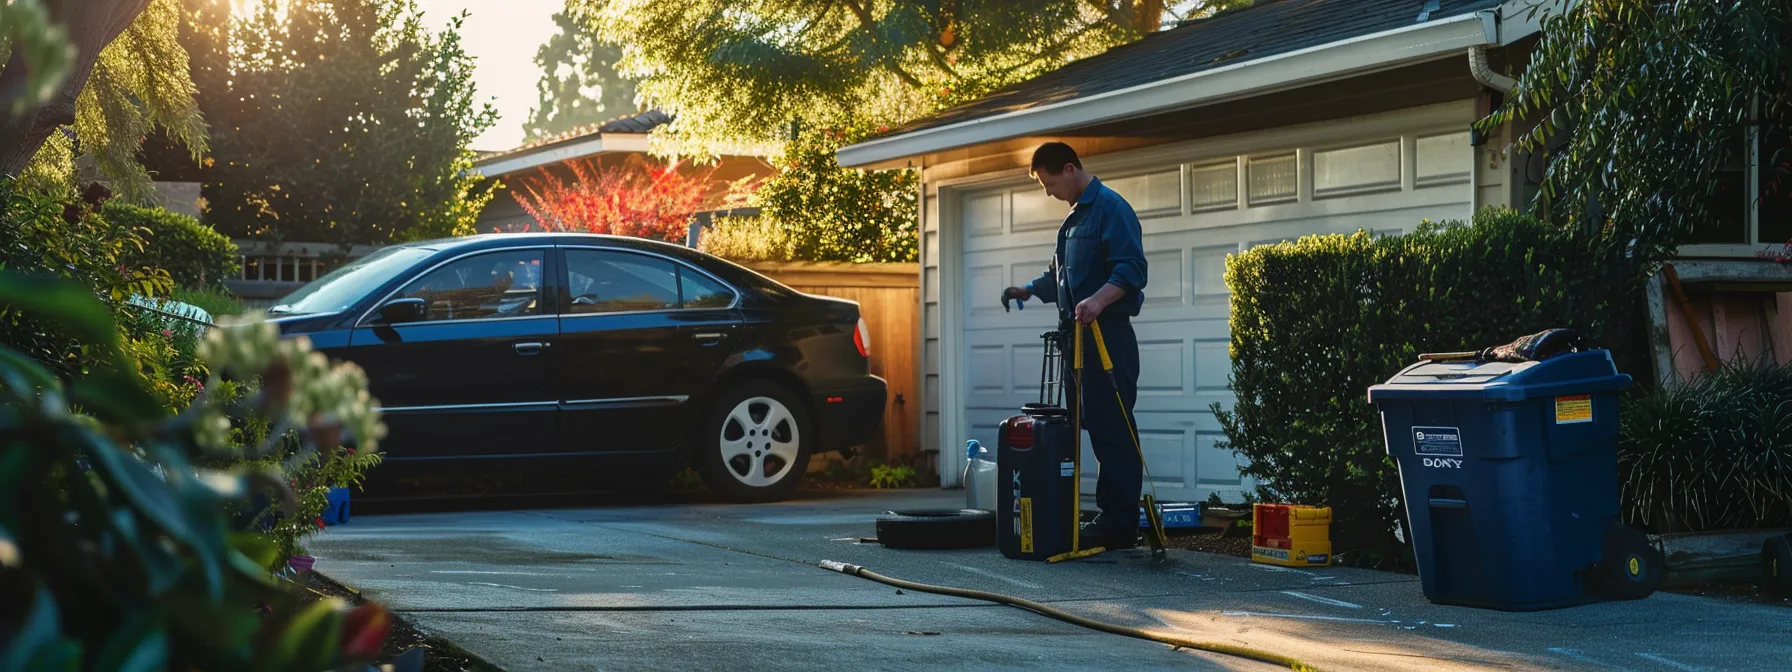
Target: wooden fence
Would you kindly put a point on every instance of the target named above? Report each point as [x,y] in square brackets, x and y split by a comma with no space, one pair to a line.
[889,301]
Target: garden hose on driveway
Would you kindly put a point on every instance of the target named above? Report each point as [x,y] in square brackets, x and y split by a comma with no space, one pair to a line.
[1073,619]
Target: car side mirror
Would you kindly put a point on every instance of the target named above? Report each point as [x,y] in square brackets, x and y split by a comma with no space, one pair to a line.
[399,311]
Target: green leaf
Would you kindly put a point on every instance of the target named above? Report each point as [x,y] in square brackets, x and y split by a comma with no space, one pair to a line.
[139,646]
[38,643]
[257,548]
[18,369]
[119,396]
[311,637]
[64,303]
[158,503]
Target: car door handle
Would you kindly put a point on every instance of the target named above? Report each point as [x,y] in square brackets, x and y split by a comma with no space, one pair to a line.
[531,348]
[709,336]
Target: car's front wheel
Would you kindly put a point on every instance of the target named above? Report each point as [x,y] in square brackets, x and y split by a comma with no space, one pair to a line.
[756,443]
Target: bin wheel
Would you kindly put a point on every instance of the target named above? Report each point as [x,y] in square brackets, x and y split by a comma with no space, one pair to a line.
[1631,567]
[1776,564]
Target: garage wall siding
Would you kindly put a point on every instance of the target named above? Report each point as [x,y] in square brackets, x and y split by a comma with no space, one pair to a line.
[1198,202]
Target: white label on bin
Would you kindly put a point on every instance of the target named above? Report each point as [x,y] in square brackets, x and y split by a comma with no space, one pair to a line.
[1437,441]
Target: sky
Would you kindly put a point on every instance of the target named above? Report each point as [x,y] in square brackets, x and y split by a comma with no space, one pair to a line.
[501,36]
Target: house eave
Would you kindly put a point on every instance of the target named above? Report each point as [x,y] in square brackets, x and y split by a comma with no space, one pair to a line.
[1327,62]
[589,146]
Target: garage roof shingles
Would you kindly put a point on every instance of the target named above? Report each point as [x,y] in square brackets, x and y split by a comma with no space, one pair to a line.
[1268,28]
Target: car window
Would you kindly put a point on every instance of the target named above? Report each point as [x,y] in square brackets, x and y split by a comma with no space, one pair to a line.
[619,282]
[484,286]
[698,291]
[344,286]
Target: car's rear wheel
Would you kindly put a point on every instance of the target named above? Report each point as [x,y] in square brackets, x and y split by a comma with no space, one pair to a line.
[756,443]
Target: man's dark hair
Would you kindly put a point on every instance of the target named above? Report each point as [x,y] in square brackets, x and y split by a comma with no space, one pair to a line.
[1051,157]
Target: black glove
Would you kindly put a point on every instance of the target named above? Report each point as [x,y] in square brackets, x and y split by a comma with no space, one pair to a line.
[1015,294]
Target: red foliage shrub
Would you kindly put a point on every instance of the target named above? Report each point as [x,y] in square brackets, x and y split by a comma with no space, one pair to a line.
[635,198]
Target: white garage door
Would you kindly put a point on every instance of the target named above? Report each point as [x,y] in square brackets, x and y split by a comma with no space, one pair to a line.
[1193,216]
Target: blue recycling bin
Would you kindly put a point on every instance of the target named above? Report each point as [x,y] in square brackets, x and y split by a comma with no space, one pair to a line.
[336,507]
[1510,477]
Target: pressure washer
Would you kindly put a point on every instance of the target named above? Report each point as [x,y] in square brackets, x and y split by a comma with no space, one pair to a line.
[1039,461]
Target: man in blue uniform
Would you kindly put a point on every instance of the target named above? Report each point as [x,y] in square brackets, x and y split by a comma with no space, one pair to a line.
[1098,275]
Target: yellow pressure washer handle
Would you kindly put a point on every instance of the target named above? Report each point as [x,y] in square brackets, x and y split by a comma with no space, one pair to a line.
[1101,348]
[1158,538]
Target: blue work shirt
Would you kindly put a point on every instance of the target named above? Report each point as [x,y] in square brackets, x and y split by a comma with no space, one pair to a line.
[1098,244]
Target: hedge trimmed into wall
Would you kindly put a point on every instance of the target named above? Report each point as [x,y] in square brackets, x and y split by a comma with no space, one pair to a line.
[194,254]
[1317,321]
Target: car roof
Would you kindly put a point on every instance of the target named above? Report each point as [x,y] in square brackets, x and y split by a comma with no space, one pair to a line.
[483,240]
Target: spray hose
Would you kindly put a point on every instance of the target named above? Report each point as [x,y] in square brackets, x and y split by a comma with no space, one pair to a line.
[1073,619]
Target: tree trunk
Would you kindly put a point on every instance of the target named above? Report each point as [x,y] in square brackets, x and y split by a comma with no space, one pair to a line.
[91,25]
[1149,16]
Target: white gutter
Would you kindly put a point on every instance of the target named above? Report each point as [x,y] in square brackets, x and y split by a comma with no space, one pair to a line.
[594,145]
[1358,55]
[1484,73]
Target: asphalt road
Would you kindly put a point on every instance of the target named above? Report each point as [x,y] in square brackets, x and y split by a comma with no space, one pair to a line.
[716,586]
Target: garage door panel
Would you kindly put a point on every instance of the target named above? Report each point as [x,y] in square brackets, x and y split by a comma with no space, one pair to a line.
[1216,467]
[1207,269]
[983,285]
[986,371]
[983,214]
[1023,364]
[1164,284]
[1023,272]
[1163,368]
[1213,366]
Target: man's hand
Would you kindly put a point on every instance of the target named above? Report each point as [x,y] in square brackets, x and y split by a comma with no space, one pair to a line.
[1017,294]
[1089,309]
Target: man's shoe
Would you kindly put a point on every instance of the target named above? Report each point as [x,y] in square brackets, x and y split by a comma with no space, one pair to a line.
[1093,535]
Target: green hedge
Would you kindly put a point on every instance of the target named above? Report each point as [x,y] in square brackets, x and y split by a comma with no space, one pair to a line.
[1317,321]
[1713,453]
[192,253]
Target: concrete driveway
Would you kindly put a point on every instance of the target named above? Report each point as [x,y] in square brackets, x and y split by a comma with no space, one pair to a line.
[735,587]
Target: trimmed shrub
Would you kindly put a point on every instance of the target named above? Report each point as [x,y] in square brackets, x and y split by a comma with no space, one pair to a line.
[746,239]
[219,302]
[1712,453]
[1317,321]
[44,232]
[193,254]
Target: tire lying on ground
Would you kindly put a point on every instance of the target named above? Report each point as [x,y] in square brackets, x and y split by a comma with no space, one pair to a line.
[937,528]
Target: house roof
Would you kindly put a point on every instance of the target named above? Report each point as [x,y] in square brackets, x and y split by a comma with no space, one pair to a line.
[1230,40]
[1265,29]
[636,124]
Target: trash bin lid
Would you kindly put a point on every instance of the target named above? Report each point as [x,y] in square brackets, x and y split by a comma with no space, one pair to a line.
[1575,373]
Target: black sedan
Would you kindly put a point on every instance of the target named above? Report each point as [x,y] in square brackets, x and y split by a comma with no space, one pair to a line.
[594,354]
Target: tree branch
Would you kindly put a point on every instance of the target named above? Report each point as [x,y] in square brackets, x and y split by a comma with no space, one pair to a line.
[91,24]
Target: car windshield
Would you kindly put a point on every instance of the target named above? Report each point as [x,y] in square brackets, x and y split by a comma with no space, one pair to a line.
[341,288]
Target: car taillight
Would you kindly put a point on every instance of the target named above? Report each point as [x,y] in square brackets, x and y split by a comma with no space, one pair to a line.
[861,339]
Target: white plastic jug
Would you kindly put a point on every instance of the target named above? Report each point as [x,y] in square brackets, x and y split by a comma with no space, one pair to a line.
[979,477]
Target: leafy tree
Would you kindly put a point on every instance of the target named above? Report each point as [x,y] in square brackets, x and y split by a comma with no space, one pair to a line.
[92,77]
[1648,101]
[738,71]
[579,82]
[829,213]
[338,121]
[633,198]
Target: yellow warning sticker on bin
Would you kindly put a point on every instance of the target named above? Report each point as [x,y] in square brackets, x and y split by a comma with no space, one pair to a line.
[1573,409]
[1026,524]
